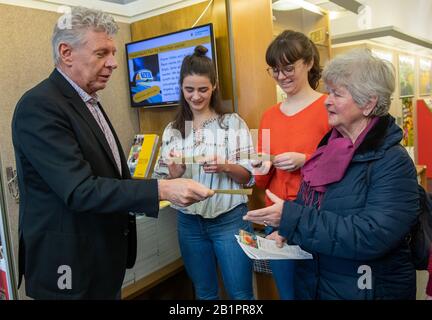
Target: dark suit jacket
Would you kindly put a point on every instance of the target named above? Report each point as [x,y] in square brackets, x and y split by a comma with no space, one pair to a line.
[74,205]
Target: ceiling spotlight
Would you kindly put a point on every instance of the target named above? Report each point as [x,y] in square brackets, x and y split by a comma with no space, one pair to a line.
[285,5]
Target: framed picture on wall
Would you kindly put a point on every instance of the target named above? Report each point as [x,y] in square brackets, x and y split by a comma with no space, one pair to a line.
[406,76]
[407,122]
[425,77]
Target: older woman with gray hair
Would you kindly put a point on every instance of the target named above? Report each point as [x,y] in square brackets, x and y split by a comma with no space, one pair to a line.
[358,198]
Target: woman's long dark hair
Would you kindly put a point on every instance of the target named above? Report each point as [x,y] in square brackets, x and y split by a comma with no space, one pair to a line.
[197,64]
[290,46]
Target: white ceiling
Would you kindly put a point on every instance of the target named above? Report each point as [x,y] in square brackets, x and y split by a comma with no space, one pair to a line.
[120,1]
[412,16]
[124,10]
[326,4]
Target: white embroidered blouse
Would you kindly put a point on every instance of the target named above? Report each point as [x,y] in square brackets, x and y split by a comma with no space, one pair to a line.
[231,141]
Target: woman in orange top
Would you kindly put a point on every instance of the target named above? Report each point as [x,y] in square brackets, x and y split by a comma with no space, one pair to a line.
[296,126]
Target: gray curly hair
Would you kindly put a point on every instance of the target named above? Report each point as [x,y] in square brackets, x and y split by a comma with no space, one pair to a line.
[364,76]
[80,20]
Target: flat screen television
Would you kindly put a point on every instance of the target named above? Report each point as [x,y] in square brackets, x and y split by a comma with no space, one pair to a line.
[154,65]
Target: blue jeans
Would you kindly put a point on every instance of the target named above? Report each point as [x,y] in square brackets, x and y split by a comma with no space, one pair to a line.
[283,275]
[207,243]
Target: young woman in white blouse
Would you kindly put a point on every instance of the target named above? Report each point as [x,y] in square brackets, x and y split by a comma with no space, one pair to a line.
[210,143]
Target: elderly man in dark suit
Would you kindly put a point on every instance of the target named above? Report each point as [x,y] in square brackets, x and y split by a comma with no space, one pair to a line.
[77,235]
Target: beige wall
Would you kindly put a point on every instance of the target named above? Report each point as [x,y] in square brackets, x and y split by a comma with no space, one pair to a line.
[26,59]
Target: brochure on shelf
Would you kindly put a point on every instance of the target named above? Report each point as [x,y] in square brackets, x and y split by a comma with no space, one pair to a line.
[142,155]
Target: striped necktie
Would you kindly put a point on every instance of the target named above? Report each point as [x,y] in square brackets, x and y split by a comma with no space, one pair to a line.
[103,124]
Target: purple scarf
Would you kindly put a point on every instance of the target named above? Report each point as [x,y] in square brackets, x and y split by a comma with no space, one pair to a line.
[329,163]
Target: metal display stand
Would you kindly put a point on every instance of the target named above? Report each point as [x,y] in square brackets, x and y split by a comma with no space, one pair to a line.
[7,278]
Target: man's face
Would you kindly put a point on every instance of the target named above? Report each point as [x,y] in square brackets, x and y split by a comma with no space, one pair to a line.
[92,63]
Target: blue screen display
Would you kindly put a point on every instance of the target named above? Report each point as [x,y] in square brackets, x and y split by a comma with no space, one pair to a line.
[154,65]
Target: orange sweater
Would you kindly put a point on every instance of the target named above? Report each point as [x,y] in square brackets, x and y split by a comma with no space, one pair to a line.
[298,133]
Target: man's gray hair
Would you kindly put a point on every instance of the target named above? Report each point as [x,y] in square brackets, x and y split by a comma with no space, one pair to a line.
[78,21]
[365,77]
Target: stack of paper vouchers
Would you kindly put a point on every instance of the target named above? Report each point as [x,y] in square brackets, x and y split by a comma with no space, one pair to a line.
[264,249]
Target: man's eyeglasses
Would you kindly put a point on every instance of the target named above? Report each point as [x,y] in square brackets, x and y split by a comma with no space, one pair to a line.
[287,71]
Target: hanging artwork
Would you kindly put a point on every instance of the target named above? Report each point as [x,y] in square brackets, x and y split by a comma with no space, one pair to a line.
[425,77]
[406,75]
[408,122]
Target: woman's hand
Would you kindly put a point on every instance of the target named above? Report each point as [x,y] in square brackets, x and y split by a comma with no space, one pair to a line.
[176,170]
[261,168]
[276,237]
[214,164]
[269,216]
[289,161]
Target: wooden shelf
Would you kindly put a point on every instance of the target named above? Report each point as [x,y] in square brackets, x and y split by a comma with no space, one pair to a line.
[152,280]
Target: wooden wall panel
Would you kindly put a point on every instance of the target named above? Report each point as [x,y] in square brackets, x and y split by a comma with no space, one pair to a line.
[252,32]
[155,120]
[252,26]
